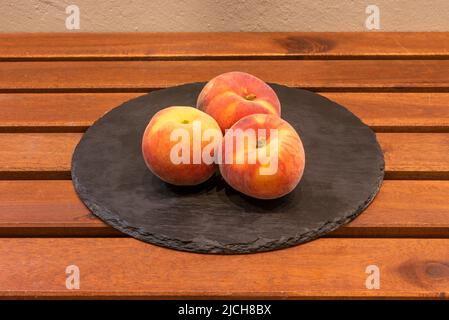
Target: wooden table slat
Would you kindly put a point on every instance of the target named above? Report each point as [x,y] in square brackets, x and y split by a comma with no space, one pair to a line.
[52,208]
[321,45]
[141,76]
[48,155]
[75,112]
[119,267]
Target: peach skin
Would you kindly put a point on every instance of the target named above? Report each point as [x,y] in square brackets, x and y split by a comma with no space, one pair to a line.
[262,156]
[234,95]
[179,145]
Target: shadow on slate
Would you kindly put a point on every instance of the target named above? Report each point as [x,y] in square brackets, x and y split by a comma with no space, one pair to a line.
[343,172]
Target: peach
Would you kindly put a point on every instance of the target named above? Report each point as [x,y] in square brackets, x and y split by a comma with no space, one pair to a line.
[262,156]
[234,95]
[179,145]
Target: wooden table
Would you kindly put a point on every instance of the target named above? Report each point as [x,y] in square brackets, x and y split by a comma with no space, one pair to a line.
[53,86]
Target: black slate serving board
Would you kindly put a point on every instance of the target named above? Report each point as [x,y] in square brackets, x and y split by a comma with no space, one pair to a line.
[344,170]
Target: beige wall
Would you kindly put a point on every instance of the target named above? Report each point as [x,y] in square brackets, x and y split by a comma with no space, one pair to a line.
[223,15]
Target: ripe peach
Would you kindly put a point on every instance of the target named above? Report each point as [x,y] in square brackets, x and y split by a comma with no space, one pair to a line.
[179,145]
[234,95]
[262,156]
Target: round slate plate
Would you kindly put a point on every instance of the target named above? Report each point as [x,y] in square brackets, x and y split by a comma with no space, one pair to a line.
[344,170]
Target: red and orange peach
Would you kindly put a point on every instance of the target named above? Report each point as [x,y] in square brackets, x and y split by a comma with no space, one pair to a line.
[234,95]
[262,156]
[179,143]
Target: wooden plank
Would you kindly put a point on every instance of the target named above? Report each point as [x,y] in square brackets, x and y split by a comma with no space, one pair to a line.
[398,112]
[36,155]
[46,208]
[48,155]
[404,208]
[116,267]
[223,45]
[52,208]
[75,112]
[71,112]
[410,156]
[141,76]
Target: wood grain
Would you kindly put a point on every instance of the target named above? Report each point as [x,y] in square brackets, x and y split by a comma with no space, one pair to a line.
[48,155]
[124,267]
[142,76]
[36,154]
[46,208]
[71,112]
[75,112]
[398,112]
[317,45]
[410,156]
[52,208]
